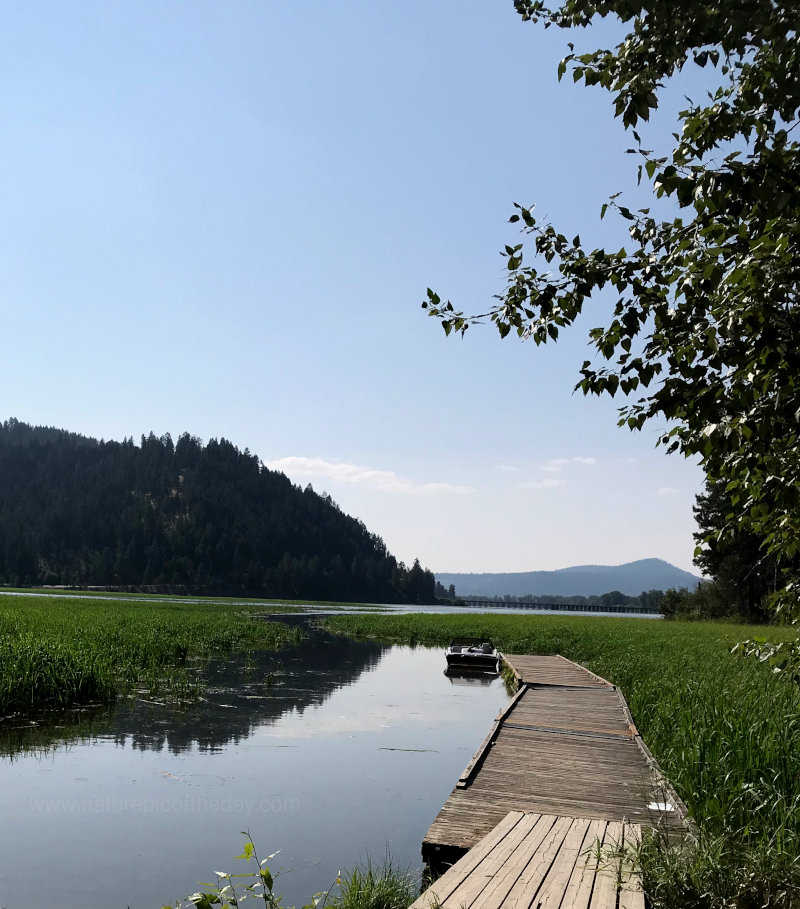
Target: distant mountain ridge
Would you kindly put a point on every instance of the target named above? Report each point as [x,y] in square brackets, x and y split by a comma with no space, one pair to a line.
[630,578]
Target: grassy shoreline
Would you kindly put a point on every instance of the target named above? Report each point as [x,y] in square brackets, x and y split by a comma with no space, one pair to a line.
[279,605]
[725,730]
[58,651]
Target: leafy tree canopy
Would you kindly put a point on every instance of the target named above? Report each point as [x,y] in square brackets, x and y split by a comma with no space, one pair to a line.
[704,334]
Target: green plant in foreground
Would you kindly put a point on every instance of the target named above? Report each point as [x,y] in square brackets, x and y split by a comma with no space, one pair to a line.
[366,887]
[224,892]
[783,656]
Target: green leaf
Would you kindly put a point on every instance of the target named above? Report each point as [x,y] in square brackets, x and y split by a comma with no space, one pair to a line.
[713,288]
[249,849]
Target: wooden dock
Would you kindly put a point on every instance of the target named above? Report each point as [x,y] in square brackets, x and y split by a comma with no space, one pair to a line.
[534,861]
[566,747]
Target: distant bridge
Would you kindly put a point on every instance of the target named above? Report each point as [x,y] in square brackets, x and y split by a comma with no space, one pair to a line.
[635,609]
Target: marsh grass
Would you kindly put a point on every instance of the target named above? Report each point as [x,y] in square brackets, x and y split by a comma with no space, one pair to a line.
[725,730]
[58,652]
[717,871]
[369,886]
[270,606]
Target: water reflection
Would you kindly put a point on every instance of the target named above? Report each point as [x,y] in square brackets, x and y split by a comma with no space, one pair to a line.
[57,729]
[244,693]
[239,695]
[329,751]
[468,677]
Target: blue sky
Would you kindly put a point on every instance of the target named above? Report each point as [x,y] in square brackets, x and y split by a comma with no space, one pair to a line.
[222,218]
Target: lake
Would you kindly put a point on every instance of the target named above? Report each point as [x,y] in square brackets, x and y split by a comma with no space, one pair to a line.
[333,752]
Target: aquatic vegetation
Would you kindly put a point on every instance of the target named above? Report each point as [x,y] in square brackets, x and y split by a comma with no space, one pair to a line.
[725,730]
[375,887]
[57,651]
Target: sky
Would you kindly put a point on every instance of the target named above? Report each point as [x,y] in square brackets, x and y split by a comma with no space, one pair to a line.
[221,218]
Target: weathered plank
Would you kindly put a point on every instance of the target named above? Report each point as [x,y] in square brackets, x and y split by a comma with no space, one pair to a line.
[444,886]
[488,741]
[631,892]
[497,874]
[595,710]
[565,746]
[552,670]
[542,861]
[577,890]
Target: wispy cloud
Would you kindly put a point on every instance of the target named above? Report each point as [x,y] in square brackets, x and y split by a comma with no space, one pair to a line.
[546,483]
[509,468]
[299,468]
[556,465]
[665,491]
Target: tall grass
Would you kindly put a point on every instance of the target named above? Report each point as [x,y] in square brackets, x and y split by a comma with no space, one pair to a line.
[725,730]
[375,887]
[57,651]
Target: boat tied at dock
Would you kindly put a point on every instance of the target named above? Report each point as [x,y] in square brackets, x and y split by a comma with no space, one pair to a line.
[472,654]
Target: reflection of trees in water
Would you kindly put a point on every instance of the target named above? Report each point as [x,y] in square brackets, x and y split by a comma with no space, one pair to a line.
[242,693]
[45,733]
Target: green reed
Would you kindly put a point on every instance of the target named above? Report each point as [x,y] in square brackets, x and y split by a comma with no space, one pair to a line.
[57,652]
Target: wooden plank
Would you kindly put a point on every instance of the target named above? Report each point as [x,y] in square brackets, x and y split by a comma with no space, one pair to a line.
[489,891]
[631,892]
[584,669]
[486,744]
[604,892]
[553,670]
[481,888]
[567,753]
[563,870]
[449,881]
[591,710]
[569,775]
[518,888]
[566,730]
[544,862]
[577,890]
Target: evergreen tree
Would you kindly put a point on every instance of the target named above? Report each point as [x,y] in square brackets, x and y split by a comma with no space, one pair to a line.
[743,571]
[183,515]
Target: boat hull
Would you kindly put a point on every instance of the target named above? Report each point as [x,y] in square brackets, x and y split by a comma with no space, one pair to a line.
[484,661]
[472,654]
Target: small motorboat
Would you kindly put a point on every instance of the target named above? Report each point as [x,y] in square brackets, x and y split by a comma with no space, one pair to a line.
[472,653]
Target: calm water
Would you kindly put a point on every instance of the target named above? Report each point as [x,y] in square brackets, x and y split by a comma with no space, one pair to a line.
[356,608]
[333,752]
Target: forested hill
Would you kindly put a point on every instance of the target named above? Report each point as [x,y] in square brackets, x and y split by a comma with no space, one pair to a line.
[207,518]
